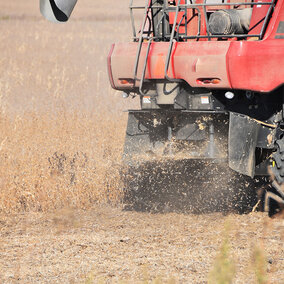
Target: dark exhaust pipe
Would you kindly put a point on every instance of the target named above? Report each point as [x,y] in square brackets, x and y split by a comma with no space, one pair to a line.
[227,22]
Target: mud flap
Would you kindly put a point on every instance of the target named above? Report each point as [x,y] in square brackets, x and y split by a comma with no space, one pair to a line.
[243,133]
[137,137]
[142,136]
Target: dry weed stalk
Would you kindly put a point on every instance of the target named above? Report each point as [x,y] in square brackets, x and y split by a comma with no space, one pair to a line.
[260,265]
[224,268]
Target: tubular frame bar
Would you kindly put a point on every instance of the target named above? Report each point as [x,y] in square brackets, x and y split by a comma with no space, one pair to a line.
[185,7]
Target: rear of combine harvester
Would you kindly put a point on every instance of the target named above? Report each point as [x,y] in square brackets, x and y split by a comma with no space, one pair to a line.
[210,76]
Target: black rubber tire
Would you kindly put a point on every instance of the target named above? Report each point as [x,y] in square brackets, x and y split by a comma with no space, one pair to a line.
[277,166]
[277,169]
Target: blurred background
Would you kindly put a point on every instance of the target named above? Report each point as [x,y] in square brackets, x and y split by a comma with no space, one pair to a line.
[45,65]
[62,126]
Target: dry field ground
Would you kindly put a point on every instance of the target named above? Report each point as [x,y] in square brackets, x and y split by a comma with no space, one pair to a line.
[61,137]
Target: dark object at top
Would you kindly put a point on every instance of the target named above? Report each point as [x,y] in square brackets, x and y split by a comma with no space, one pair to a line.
[226,22]
[57,10]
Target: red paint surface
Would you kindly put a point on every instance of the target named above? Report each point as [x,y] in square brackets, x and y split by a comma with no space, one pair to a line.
[250,65]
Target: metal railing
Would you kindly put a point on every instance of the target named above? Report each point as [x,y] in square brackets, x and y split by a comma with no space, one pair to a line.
[199,10]
[202,11]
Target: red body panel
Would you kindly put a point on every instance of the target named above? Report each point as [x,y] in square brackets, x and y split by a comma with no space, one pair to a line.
[256,65]
[190,62]
[249,65]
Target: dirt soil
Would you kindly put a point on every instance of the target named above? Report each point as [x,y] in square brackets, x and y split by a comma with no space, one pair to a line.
[47,69]
[110,244]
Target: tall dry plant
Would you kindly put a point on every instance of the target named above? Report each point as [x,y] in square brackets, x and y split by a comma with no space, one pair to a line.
[224,268]
[51,161]
[260,265]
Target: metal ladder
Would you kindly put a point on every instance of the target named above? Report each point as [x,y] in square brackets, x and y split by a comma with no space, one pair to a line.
[140,42]
[147,8]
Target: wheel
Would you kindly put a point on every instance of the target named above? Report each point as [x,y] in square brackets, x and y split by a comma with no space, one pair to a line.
[274,198]
[277,166]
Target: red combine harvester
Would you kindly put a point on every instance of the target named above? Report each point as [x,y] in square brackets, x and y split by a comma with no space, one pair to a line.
[210,77]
